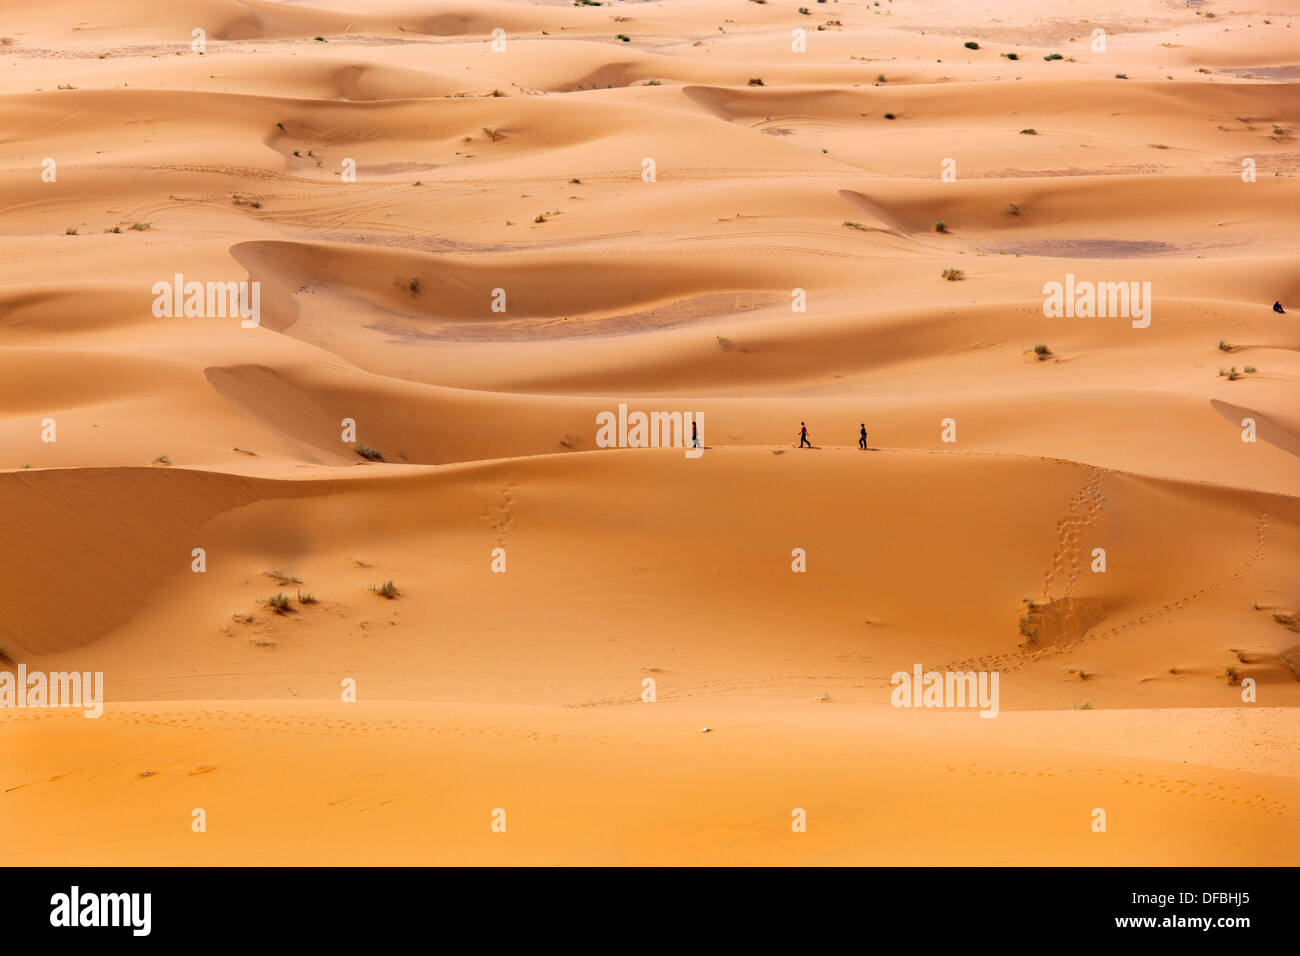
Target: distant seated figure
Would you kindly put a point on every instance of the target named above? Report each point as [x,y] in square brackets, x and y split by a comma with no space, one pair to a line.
[1277,307]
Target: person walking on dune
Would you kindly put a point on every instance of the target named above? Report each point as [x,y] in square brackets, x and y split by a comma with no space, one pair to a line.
[695,435]
[862,437]
[803,435]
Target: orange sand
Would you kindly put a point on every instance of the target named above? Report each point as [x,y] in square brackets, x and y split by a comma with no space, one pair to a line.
[522,691]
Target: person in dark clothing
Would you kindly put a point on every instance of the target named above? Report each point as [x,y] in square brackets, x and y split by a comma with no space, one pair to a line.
[862,437]
[803,435]
[1277,307]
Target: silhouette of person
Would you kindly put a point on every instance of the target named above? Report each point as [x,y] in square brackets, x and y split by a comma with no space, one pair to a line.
[803,435]
[862,437]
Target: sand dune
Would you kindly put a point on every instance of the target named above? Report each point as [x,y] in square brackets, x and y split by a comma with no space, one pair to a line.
[467,253]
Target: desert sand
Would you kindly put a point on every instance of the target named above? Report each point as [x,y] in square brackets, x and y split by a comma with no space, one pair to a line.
[380,169]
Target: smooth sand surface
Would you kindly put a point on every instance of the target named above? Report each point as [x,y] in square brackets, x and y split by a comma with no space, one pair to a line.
[1125,691]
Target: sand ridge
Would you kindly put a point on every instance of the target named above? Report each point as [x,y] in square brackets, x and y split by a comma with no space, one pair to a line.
[468,246]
